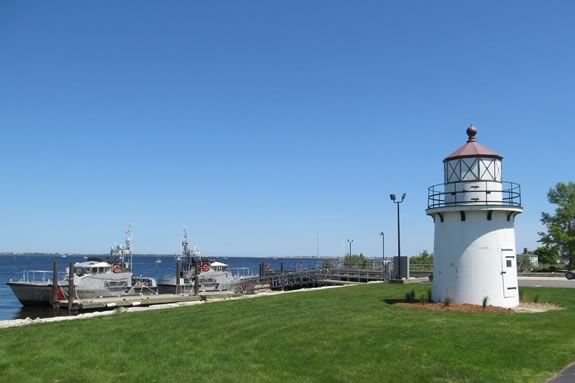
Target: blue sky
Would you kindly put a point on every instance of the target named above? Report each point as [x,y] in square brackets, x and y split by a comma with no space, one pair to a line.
[258,124]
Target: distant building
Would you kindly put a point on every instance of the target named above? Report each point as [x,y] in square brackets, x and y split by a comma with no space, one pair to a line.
[528,259]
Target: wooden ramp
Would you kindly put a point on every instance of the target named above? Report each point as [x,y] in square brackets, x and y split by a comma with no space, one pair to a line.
[334,282]
[138,300]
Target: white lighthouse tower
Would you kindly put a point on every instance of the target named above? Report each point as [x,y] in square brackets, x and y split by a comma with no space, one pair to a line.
[473,213]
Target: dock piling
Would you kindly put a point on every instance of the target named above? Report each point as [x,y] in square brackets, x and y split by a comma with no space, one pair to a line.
[54,283]
[177,277]
[71,287]
[196,279]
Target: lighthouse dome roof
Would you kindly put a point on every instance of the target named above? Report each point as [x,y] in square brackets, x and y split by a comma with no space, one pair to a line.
[472,148]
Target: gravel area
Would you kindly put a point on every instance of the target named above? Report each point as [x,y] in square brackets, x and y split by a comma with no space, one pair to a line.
[524,307]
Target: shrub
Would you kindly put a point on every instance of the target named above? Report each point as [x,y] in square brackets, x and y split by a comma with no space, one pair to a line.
[447,301]
[550,268]
[520,295]
[356,261]
[484,303]
[536,298]
[429,296]
[410,296]
[423,299]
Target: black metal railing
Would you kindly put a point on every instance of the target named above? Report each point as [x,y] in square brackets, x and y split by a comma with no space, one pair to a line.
[510,194]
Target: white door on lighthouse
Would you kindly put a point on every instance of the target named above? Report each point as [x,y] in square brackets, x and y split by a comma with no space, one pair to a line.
[508,269]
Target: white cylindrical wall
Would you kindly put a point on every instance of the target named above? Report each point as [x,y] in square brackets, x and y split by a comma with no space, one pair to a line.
[475,258]
[473,193]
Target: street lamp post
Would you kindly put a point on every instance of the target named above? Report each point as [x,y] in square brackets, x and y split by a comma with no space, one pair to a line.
[350,241]
[382,255]
[397,202]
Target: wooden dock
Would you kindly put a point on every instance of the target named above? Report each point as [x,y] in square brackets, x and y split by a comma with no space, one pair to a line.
[289,280]
[139,300]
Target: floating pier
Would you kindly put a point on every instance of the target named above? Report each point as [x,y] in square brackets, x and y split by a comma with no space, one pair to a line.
[138,300]
[289,280]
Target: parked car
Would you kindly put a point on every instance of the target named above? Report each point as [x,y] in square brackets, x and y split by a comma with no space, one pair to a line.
[570,274]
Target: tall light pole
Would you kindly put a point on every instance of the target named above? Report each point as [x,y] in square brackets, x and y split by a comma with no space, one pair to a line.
[396,202]
[350,241]
[382,255]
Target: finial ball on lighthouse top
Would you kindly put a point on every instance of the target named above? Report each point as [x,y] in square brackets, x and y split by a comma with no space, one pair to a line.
[471,133]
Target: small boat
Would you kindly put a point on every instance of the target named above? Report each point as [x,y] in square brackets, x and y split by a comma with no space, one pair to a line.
[210,275]
[92,278]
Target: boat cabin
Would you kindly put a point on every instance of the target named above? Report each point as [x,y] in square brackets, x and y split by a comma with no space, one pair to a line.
[84,268]
[218,266]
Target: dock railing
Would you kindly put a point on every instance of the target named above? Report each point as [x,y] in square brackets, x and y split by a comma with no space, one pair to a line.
[243,272]
[39,276]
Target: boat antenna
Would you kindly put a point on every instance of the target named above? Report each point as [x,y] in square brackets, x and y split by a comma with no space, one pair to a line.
[185,251]
[129,244]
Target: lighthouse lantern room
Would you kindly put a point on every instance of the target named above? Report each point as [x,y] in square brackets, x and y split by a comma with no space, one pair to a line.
[474,244]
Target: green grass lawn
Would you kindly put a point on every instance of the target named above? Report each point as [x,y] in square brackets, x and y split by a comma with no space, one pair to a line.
[335,335]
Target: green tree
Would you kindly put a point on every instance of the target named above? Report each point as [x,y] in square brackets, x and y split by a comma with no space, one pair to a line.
[560,234]
[423,258]
[524,264]
[326,264]
[359,261]
[547,255]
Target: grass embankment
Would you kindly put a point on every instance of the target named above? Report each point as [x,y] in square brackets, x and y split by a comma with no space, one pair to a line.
[335,335]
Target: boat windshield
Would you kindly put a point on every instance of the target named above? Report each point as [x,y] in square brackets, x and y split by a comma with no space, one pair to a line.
[218,266]
[85,268]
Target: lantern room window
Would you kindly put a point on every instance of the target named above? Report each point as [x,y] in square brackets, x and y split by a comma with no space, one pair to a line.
[473,169]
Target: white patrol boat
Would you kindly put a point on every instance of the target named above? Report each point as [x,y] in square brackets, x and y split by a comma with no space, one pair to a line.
[92,278]
[211,275]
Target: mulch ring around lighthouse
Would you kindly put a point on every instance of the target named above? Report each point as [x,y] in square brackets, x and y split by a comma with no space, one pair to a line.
[523,308]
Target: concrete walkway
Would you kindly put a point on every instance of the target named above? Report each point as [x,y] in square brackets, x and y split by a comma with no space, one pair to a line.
[567,375]
[546,282]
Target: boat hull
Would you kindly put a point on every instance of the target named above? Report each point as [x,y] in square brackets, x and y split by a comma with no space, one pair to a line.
[32,293]
[41,293]
[208,281]
[167,285]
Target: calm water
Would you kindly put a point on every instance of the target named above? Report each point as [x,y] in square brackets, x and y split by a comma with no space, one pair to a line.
[11,267]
